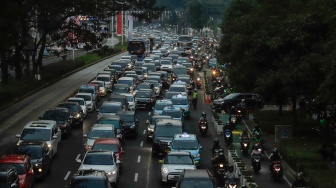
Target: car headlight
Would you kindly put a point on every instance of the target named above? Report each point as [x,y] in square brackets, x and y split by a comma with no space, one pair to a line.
[164,170]
[49,145]
[77,115]
[196,155]
[191,69]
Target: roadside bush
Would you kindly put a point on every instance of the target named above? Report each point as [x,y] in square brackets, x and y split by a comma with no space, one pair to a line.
[321,178]
[56,70]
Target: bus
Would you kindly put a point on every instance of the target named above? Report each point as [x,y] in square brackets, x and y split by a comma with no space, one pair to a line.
[139,47]
[185,41]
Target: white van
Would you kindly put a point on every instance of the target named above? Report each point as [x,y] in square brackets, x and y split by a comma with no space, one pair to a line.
[42,130]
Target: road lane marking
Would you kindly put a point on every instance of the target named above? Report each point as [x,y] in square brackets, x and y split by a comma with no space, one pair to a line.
[67,175]
[136,177]
[78,156]
[139,158]
[144,132]
[149,113]
[141,144]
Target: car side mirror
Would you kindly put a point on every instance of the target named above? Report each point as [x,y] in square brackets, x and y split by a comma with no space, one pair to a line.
[18,135]
[161,161]
[78,160]
[85,136]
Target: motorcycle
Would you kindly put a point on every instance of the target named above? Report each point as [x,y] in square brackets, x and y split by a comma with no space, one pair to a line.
[259,141]
[231,183]
[245,146]
[233,121]
[203,127]
[198,83]
[228,137]
[199,66]
[220,170]
[276,170]
[256,164]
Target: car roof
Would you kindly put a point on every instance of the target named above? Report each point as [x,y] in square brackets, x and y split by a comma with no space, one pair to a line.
[106,141]
[43,124]
[126,78]
[185,136]
[172,122]
[197,173]
[13,158]
[109,117]
[127,112]
[102,127]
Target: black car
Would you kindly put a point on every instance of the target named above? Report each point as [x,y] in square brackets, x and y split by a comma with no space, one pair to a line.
[130,123]
[164,132]
[39,154]
[89,178]
[252,101]
[9,178]
[76,112]
[196,178]
[145,99]
[119,98]
[61,116]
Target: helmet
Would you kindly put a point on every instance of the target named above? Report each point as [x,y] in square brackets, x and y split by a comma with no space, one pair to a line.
[255,146]
[230,168]
[216,142]
[203,114]
[244,131]
[300,175]
[243,100]
[195,90]
[232,107]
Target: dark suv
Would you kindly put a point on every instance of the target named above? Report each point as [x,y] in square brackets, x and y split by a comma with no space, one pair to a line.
[76,112]
[252,101]
[39,154]
[9,178]
[61,116]
[89,178]
[130,123]
[198,178]
[164,132]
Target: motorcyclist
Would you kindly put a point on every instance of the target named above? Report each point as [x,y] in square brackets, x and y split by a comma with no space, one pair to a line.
[194,99]
[218,159]
[244,136]
[256,129]
[274,156]
[255,152]
[204,116]
[227,126]
[233,110]
[230,174]
[299,181]
[215,146]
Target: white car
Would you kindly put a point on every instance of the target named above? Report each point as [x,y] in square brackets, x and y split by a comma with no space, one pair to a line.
[102,87]
[130,100]
[81,102]
[174,163]
[42,130]
[102,160]
[105,78]
[89,101]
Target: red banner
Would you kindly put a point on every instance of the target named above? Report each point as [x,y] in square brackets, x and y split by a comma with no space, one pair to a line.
[119,24]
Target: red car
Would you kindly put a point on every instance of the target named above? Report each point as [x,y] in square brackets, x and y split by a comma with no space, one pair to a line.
[23,167]
[110,144]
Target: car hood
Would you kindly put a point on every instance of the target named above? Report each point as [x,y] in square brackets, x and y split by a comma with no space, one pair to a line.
[164,139]
[178,167]
[183,106]
[106,168]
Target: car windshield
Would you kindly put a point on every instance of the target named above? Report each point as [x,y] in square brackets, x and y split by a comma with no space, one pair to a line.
[101,134]
[167,131]
[103,78]
[177,89]
[98,159]
[109,147]
[87,183]
[165,63]
[230,96]
[34,152]
[128,82]
[127,117]
[121,89]
[185,144]
[179,159]
[197,183]
[87,90]
[110,108]
[115,123]
[180,101]
[57,115]
[36,134]
[143,94]
[80,102]
[85,97]
[178,71]
[18,166]
[160,106]
[172,113]
[71,107]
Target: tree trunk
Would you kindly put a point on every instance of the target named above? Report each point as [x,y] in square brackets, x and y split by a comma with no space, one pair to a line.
[38,63]
[4,68]
[17,62]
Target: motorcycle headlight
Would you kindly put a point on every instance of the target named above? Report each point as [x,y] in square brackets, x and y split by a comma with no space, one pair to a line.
[150,129]
[221,165]
[164,170]
[245,145]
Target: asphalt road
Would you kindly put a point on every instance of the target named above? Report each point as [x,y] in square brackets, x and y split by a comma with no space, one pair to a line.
[140,168]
